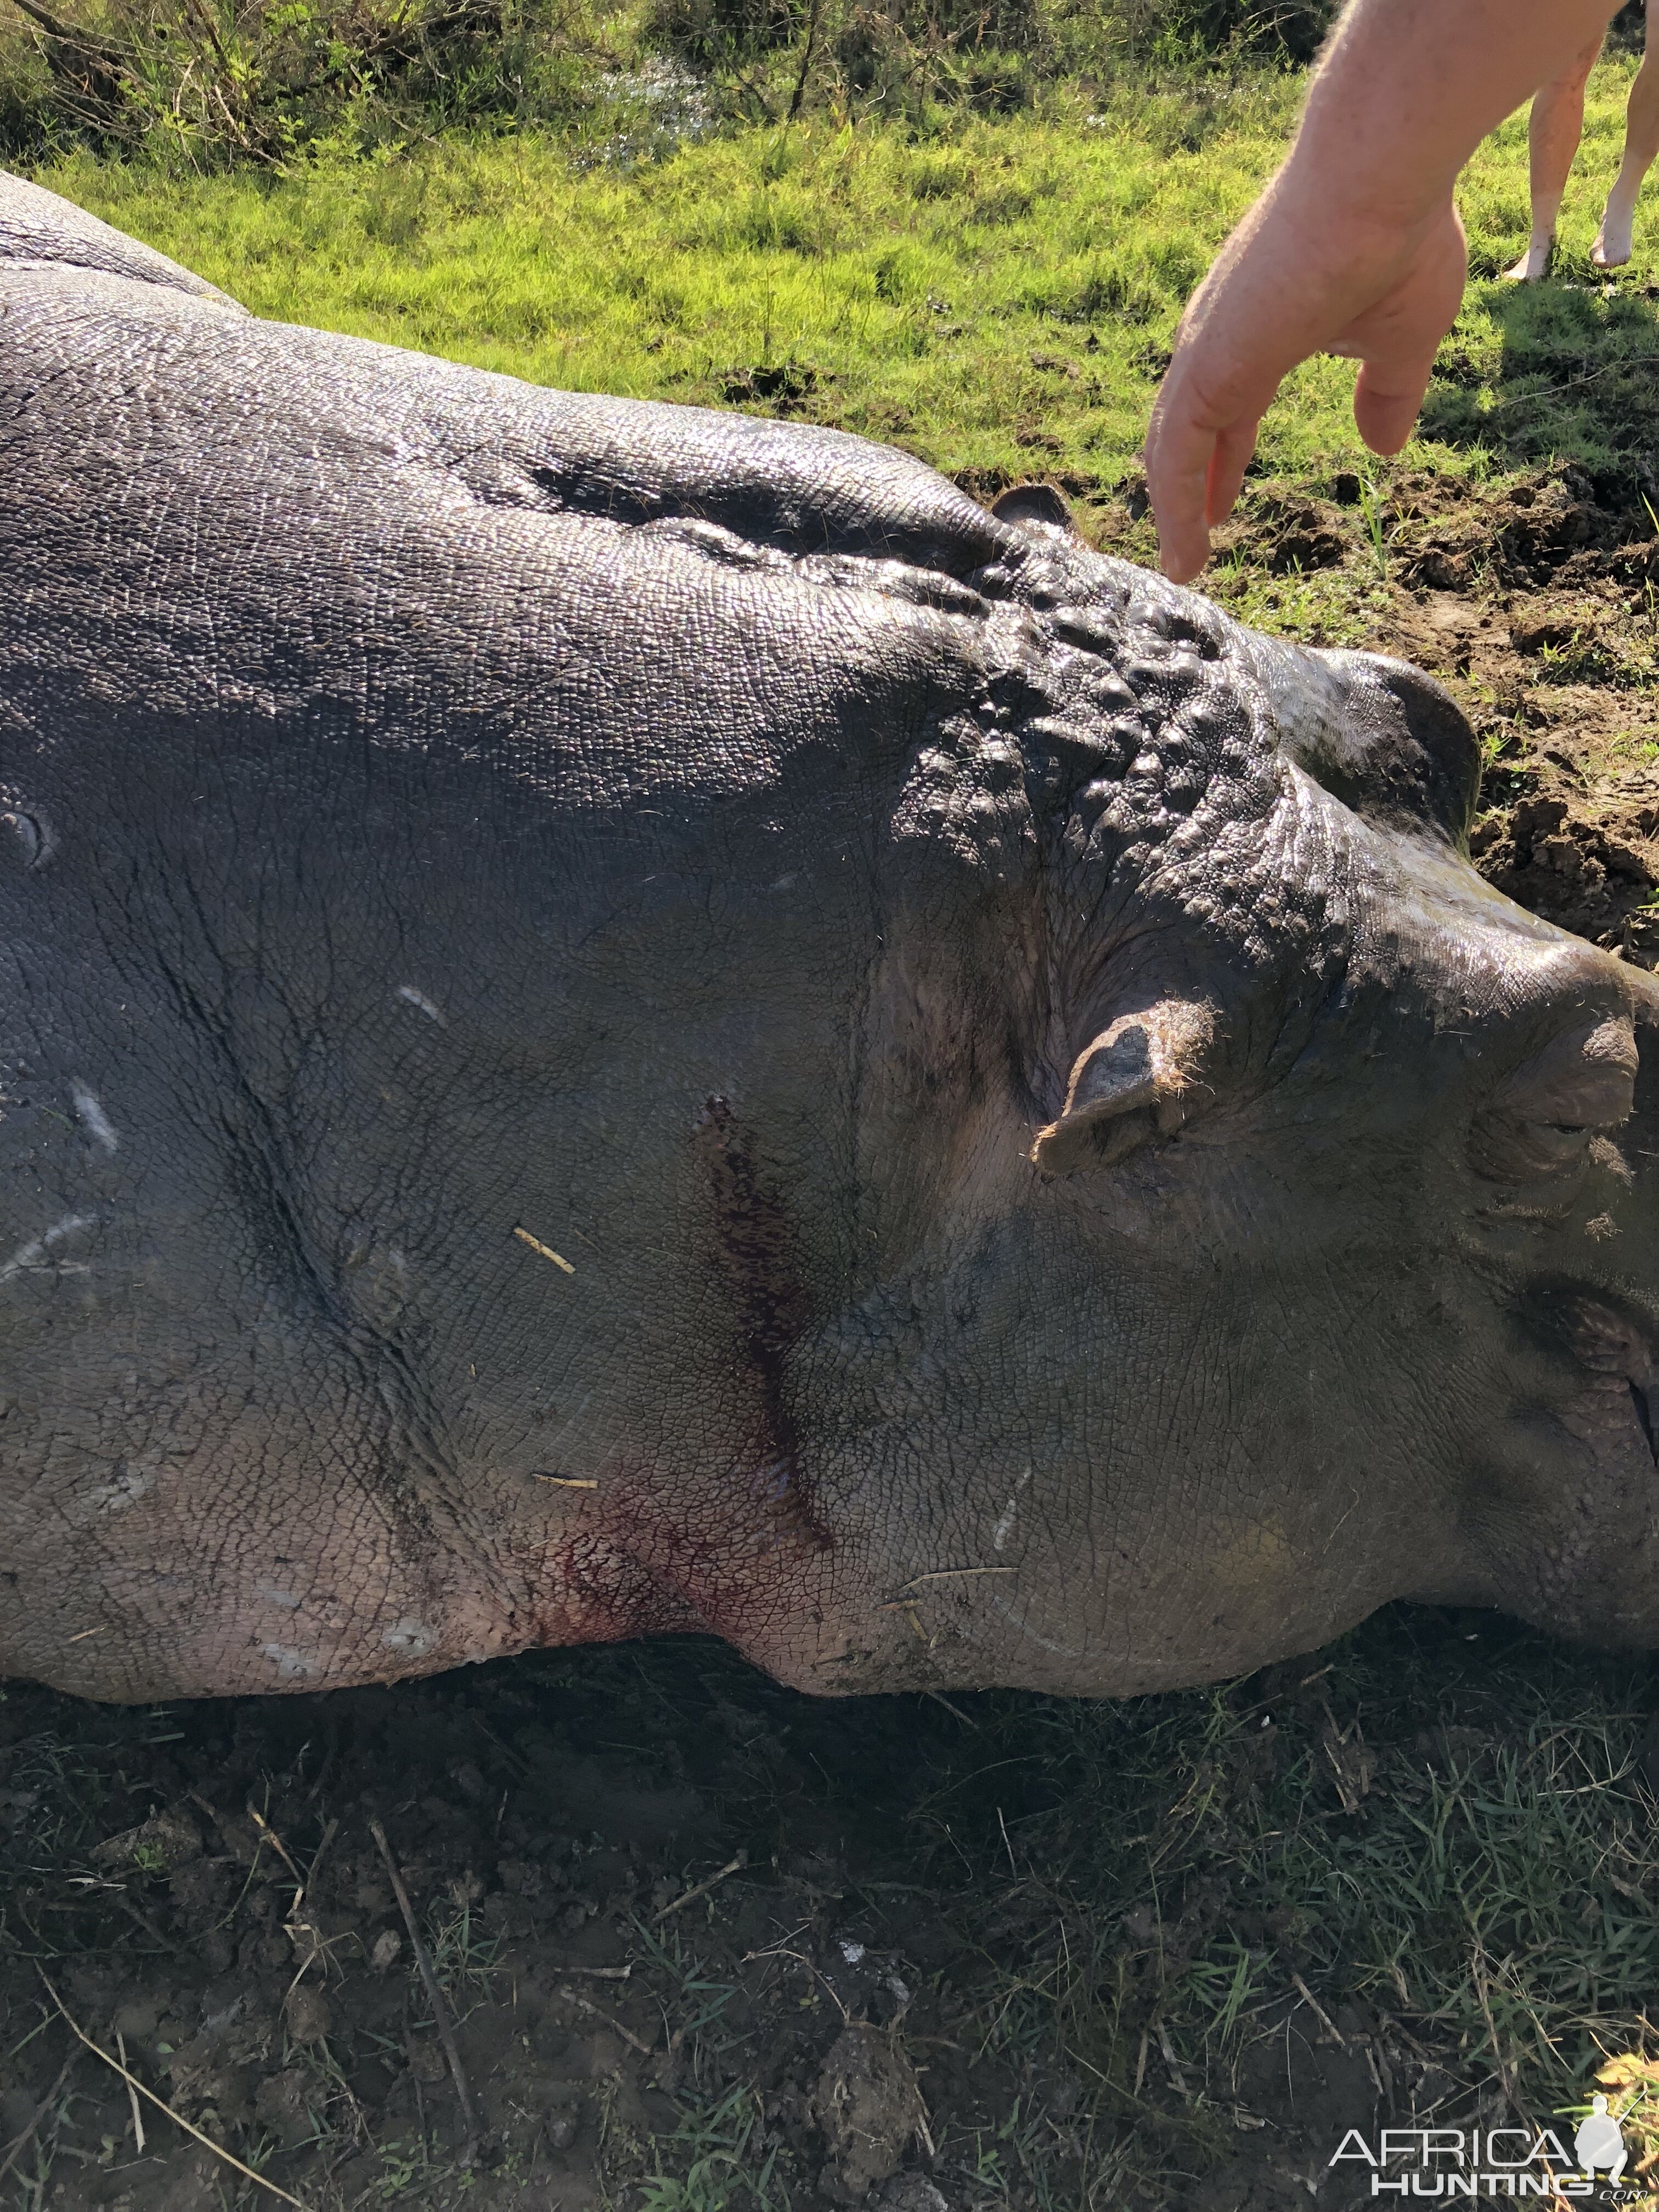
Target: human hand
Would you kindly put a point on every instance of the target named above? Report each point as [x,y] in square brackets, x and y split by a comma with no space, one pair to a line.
[1300,275]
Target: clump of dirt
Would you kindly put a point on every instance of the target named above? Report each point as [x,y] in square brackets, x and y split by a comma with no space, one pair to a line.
[1295,533]
[868,2104]
[1571,869]
[1536,605]
[1551,531]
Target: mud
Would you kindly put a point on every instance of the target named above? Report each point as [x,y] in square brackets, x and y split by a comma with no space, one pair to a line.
[1537,604]
[709,1944]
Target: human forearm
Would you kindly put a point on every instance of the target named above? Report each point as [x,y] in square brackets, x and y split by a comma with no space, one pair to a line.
[1354,248]
[1406,89]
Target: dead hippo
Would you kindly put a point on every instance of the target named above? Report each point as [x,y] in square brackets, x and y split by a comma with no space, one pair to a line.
[618,1019]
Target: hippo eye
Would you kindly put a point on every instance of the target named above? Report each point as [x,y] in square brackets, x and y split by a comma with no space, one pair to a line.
[1541,1118]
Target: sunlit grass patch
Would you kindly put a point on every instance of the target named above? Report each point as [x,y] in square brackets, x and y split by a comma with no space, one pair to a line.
[999,297]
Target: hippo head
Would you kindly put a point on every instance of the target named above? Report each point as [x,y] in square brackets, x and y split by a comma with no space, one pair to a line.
[1341,1276]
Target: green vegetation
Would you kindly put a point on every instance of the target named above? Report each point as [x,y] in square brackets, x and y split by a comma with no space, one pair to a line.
[198,84]
[716,2160]
[998,295]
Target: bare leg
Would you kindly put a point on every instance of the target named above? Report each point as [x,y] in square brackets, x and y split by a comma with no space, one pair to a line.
[1553,130]
[1612,248]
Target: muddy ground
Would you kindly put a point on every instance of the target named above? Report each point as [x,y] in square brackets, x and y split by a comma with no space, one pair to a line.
[1537,604]
[707,1944]
[711,1944]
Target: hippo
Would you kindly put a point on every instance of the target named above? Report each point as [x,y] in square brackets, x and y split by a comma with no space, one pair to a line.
[619,1020]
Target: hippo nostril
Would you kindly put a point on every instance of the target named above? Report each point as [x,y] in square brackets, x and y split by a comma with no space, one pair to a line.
[1643,1400]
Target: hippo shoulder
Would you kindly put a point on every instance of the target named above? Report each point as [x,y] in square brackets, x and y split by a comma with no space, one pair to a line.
[38,226]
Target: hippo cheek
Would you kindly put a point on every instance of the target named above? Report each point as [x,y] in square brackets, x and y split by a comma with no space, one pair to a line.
[1610,1574]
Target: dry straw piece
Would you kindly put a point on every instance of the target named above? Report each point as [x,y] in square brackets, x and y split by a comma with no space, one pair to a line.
[546,1250]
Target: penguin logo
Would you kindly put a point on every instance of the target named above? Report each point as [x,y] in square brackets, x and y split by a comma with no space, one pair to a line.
[1600,2142]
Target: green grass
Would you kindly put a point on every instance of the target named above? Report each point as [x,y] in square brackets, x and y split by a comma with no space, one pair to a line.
[715,2161]
[999,297]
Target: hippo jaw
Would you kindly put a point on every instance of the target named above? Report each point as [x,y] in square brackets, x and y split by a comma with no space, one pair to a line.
[1547,1172]
[1397,1053]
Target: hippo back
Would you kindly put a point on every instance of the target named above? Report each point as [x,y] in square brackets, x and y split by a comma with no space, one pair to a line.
[38,226]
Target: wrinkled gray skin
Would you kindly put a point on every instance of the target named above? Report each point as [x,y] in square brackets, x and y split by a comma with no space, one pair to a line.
[437,809]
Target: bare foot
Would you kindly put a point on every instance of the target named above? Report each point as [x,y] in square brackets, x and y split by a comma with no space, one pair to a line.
[1534,265]
[1611,249]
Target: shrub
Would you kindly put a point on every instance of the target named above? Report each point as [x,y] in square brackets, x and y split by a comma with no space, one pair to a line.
[1185,32]
[898,58]
[200,83]
[716,33]
[206,82]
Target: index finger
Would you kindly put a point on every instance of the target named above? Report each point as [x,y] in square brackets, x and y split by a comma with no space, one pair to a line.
[1179,451]
[1235,443]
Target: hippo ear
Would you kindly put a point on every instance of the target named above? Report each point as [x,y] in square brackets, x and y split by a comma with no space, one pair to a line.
[1140,1079]
[1377,734]
[1040,504]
